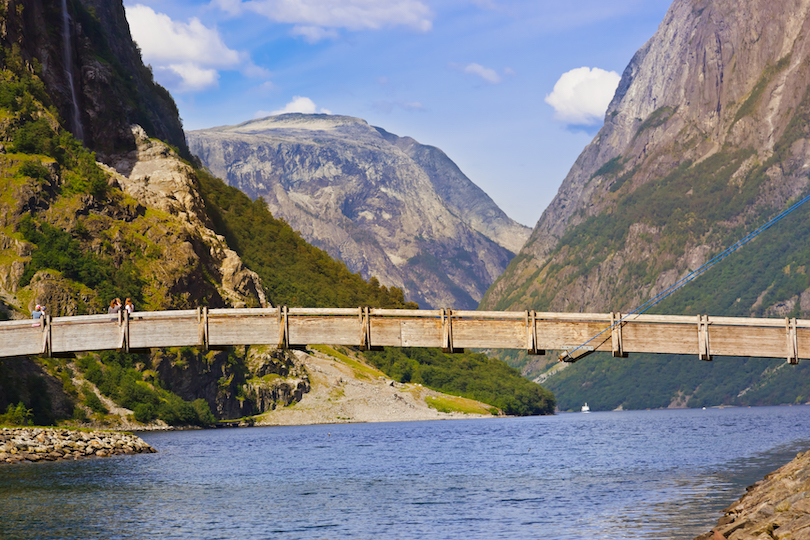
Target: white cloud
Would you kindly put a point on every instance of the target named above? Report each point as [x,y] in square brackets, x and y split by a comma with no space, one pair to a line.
[489,75]
[314,34]
[189,77]
[300,104]
[188,55]
[319,19]
[164,41]
[581,96]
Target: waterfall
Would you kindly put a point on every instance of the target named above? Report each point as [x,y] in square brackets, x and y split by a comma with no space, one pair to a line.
[76,123]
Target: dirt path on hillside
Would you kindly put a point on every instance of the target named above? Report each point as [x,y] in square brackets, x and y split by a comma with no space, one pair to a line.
[341,394]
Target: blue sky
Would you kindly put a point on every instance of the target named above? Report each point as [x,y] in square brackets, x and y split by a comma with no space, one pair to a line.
[511,90]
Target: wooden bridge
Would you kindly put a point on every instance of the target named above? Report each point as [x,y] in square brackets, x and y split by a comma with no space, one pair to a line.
[451,330]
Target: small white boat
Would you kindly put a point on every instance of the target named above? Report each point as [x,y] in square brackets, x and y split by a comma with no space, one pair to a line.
[585,408]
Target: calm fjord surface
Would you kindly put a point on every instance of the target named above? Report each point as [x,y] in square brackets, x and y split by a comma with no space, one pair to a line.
[639,474]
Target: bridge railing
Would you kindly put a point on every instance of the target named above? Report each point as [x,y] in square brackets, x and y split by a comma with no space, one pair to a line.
[451,330]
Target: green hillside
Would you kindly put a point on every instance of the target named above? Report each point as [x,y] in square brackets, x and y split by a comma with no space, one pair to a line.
[86,241]
[470,375]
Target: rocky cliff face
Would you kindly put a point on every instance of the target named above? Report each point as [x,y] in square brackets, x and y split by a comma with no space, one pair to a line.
[79,58]
[705,138]
[386,206]
[75,232]
[93,70]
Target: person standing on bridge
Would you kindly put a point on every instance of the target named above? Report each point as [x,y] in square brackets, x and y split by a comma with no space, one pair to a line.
[115,307]
[37,315]
[128,306]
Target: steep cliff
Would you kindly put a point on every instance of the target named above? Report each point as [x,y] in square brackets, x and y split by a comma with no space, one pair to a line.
[93,70]
[386,206]
[706,138]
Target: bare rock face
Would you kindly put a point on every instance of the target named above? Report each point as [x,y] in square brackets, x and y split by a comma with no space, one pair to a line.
[706,137]
[387,207]
[274,378]
[156,177]
[279,378]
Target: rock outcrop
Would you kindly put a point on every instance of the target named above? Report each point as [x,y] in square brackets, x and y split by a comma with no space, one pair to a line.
[155,176]
[386,206]
[235,383]
[777,507]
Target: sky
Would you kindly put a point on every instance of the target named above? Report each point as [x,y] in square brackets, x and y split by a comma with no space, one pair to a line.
[510,90]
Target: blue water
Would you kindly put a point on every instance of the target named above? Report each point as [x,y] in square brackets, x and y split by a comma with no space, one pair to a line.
[636,474]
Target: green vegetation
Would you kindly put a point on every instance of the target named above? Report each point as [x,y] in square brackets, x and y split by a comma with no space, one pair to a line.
[659,117]
[16,416]
[469,375]
[457,404]
[609,169]
[92,401]
[361,371]
[59,250]
[654,381]
[116,377]
[294,273]
[748,106]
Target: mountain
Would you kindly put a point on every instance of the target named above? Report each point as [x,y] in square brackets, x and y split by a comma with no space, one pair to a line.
[706,138]
[385,205]
[99,198]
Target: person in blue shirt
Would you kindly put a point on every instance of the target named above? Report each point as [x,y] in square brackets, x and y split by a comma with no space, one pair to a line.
[37,315]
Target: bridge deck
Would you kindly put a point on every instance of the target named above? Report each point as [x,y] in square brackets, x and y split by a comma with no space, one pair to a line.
[448,329]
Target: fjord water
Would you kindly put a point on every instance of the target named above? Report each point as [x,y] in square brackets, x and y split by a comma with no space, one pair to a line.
[633,474]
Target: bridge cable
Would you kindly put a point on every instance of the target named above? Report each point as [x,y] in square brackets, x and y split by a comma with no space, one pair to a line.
[692,275]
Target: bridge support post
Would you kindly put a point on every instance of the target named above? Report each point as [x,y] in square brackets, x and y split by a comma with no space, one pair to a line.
[447,332]
[283,328]
[704,347]
[46,336]
[531,334]
[617,346]
[125,329]
[365,330]
[792,341]
[202,317]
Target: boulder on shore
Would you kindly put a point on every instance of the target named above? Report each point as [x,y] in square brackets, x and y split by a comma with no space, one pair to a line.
[774,508]
[20,445]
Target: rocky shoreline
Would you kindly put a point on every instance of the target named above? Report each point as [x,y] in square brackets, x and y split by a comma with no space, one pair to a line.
[777,507]
[24,445]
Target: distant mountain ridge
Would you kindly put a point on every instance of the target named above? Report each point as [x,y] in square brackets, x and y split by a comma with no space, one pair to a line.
[707,137]
[385,205]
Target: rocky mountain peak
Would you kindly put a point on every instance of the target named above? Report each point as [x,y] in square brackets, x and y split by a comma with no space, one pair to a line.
[387,207]
[297,121]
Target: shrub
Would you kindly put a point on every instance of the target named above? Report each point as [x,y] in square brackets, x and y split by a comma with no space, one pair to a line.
[16,415]
[93,401]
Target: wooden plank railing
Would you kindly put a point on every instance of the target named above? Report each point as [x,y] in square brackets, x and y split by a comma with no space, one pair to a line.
[451,330]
